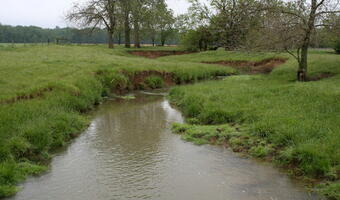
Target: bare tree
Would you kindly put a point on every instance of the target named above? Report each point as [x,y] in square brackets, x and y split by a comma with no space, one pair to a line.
[294,23]
[96,13]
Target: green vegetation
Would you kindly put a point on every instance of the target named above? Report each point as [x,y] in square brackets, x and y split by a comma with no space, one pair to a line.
[330,190]
[296,124]
[46,89]
[337,46]
[154,82]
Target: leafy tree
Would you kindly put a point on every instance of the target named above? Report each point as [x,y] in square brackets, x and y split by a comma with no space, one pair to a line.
[138,10]
[125,18]
[234,20]
[97,13]
[200,39]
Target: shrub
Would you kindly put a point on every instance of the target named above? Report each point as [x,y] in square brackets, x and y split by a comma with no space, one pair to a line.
[260,151]
[4,153]
[190,40]
[312,161]
[337,46]
[154,82]
[286,156]
[7,190]
[112,80]
[18,146]
[331,191]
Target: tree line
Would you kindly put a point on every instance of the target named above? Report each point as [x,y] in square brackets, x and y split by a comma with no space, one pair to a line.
[129,19]
[34,34]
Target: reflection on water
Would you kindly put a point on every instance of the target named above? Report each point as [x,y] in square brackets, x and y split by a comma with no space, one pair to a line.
[128,152]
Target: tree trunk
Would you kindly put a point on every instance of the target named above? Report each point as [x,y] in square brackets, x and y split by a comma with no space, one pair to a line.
[200,45]
[119,38]
[163,39]
[110,40]
[127,31]
[136,32]
[153,41]
[303,63]
[205,45]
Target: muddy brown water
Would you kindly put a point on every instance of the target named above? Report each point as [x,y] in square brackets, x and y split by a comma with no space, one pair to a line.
[129,152]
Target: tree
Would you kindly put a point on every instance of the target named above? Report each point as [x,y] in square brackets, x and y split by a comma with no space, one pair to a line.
[233,21]
[151,21]
[125,17]
[332,29]
[138,10]
[295,21]
[96,13]
[229,21]
[199,39]
[166,21]
[158,20]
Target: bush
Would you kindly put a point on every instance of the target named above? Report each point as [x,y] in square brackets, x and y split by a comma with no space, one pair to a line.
[18,146]
[331,191]
[154,82]
[260,151]
[312,161]
[6,190]
[337,46]
[190,40]
[112,80]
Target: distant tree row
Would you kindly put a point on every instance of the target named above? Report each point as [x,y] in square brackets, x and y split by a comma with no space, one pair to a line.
[128,19]
[33,34]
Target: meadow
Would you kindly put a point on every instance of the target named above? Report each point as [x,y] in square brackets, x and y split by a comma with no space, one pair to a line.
[46,92]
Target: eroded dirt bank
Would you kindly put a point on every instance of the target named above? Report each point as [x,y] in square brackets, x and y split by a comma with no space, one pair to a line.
[156,54]
[251,67]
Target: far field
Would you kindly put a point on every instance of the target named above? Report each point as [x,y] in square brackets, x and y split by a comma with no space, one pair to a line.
[45,89]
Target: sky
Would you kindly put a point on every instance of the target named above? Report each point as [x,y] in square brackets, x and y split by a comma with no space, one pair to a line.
[50,13]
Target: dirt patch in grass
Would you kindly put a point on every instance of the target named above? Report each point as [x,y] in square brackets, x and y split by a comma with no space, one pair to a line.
[138,79]
[251,67]
[156,54]
[30,96]
[321,76]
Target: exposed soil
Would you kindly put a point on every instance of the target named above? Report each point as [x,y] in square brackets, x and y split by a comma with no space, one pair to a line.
[33,95]
[321,76]
[138,78]
[251,67]
[156,54]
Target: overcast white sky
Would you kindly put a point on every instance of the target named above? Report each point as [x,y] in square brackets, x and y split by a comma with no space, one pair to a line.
[50,13]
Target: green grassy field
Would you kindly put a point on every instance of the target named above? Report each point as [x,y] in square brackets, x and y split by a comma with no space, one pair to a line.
[272,116]
[45,91]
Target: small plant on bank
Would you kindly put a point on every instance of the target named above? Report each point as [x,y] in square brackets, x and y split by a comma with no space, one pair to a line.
[330,190]
[154,82]
[260,151]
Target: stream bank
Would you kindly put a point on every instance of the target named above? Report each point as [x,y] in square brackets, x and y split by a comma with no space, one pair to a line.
[129,152]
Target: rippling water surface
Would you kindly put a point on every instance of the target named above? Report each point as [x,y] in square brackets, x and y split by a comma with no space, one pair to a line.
[129,152]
